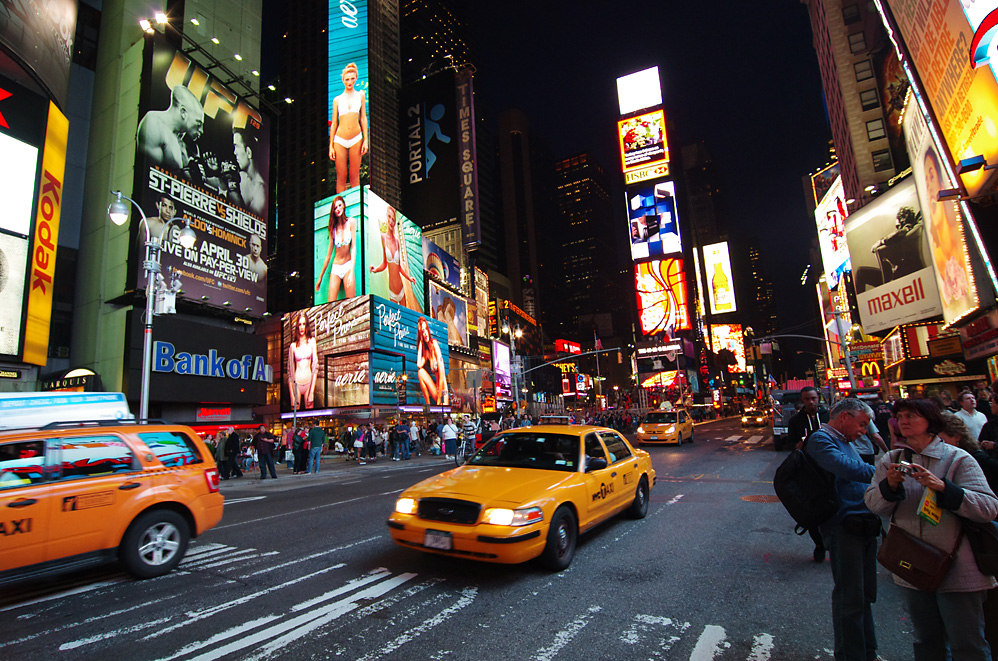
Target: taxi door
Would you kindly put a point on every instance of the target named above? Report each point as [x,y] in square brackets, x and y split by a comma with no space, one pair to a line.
[623,469]
[99,483]
[686,424]
[24,504]
[600,483]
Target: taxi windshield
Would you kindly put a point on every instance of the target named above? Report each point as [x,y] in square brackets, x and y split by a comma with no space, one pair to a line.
[559,452]
[661,417]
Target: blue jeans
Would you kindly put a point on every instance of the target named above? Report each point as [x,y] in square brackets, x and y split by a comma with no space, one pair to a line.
[266,460]
[953,620]
[314,456]
[404,446]
[854,571]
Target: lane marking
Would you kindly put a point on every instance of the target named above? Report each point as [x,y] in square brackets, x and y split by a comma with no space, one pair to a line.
[762,647]
[711,643]
[675,500]
[296,561]
[299,511]
[199,549]
[72,645]
[236,557]
[65,593]
[565,636]
[734,438]
[755,439]
[243,500]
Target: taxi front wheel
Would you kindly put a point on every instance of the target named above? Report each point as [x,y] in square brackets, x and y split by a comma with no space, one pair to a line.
[562,535]
[154,544]
[639,507]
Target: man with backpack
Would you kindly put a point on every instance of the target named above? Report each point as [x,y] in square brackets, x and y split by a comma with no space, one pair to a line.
[799,428]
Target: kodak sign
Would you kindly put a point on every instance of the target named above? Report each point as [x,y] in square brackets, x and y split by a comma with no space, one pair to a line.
[46,237]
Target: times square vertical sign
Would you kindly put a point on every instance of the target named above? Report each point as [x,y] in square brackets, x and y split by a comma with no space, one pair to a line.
[202,155]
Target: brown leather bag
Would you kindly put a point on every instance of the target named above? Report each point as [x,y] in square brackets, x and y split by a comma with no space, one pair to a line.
[916,562]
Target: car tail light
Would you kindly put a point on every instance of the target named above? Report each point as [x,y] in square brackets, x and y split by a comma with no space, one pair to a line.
[211,477]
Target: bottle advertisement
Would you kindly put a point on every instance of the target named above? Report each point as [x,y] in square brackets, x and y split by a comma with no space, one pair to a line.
[720,283]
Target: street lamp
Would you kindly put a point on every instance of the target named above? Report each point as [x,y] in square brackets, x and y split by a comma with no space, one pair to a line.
[117,211]
[514,334]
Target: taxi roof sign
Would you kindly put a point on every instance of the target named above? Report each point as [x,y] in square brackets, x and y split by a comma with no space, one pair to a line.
[36,409]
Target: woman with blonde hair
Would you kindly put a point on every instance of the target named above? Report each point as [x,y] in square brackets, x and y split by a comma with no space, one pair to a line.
[341,240]
[393,258]
[348,136]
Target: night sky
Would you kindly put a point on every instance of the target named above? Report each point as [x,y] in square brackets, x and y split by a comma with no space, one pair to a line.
[741,77]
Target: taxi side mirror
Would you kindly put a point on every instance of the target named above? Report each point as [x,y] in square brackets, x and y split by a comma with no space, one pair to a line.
[595,464]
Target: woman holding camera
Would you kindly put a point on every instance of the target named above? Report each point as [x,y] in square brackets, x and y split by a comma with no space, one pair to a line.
[951,618]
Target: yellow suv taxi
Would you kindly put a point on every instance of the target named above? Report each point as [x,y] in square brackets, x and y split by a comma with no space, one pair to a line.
[77,494]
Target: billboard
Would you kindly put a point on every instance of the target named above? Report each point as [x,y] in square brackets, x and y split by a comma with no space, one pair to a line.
[401,336]
[468,160]
[482,300]
[642,141]
[830,216]
[203,154]
[891,265]
[13,269]
[652,219]
[822,181]
[452,311]
[393,247]
[660,286]
[729,336]
[721,284]
[943,222]
[940,39]
[337,222]
[40,36]
[348,94]
[326,355]
[639,90]
[441,264]
[501,369]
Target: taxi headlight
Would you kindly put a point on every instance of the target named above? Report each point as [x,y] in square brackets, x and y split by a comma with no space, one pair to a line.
[500,516]
[641,429]
[744,419]
[405,505]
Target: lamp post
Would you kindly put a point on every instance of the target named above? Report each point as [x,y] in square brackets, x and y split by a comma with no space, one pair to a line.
[117,211]
[514,334]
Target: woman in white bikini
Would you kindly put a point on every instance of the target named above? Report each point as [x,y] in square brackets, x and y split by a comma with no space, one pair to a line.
[341,232]
[430,366]
[348,131]
[303,364]
[394,259]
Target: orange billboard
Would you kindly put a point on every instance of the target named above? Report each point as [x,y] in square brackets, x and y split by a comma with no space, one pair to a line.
[661,294]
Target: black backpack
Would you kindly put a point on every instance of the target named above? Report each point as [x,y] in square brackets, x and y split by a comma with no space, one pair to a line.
[806,490]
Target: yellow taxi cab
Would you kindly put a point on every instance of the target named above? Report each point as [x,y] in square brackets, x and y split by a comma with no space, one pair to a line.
[753,417]
[75,494]
[528,493]
[672,426]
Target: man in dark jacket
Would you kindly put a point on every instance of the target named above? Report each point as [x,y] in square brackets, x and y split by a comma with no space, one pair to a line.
[264,442]
[231,455]
[804,423]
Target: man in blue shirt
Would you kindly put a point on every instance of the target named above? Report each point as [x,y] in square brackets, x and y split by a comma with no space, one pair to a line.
[851,534]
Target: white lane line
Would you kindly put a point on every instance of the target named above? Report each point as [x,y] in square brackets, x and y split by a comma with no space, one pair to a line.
[467,597]
[225,635]
[711,643]
[754,439]
[204,548]
[214,553]
[302,560]
[214,562]
[762,647]
[675,500]
[645,624]
[73,644]
[565,636]
[233,501]
[352,584]
[299,511]
[64,593]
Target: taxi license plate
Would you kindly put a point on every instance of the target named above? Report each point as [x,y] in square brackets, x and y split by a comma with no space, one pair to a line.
[653,438]
[438,539]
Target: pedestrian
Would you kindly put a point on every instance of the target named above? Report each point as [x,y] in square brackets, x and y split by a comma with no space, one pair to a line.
[230,442]
[974,419]
[448,436]
[799,428]
[394,449]
[358,442]
[851,534]
[220,454]
[316,444]
[287,440]
[265,442]
[300,451]
[375,442]
[949,621]
[869,442]
[414,440]
[468,429]
[402,440]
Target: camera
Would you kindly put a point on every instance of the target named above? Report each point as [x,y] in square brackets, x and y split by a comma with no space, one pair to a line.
[905,468]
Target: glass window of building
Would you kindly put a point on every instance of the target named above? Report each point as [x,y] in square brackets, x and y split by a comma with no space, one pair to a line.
[857,42]
[850,13]
[869,99]
[882,160]
[864,70]
[875,129]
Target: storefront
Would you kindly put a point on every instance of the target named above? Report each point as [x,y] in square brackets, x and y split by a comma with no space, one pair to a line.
[921,359]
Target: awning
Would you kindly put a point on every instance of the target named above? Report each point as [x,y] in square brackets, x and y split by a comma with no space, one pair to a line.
[936,370]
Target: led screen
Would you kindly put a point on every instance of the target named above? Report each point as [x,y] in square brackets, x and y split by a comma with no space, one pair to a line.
[405,337]
[334,261]
[18,169]
[482,300]
[720,280]
[441,264]
[642,140]
[661,296]
[652,219]
[40,35]
[501,369]
[394,254]
[452,310]
[348,93]
[822,181]
[13,267]
[639,90]
[830,216]
[729,336]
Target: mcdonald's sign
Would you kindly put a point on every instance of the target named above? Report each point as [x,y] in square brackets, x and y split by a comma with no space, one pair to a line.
[871,368]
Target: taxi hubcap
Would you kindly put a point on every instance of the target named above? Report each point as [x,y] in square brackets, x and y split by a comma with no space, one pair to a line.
[159,544]
[562,539]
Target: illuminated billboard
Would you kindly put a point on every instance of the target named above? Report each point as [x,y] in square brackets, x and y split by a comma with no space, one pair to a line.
[393,247]
[400,337]
[652,219]
[348,93]
[13,268]
[452,310]
[441,264]
[203,154]
[639,90]
[830,216]
[642,141]
[822,181]
[482,301]
[660,286]
[891,262]
[501,369]
[729,336]
[943,223]
[40,36]
[720,280]
[335,264]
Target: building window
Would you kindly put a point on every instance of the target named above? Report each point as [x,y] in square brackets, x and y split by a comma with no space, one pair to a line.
[875,130]
[882,160]
[850,14]
[869,99]
[857,42]
[864,70]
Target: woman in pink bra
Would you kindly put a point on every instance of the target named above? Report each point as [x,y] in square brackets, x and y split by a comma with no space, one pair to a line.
[303,364]
[430,366]
[341,233]
[348,131]
[395,260]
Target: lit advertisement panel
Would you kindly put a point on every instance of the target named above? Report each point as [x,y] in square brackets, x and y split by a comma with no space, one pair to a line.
[642,140]
[501,369]
[943,223]
[939,37]
[639,90]
[654,225]
[452,310]
[441,264]
[13,268]
[822,180]
[203,154]
[334,261]
[348,93]
[729,336]
[661,295]
[394,253]
[18,169]
[891,266]
[720,280]
[326,355]
[40,35]
[830,216]
[403,335]
[482,300]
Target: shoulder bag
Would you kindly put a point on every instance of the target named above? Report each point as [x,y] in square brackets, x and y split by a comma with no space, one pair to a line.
[983,538]
[915,561]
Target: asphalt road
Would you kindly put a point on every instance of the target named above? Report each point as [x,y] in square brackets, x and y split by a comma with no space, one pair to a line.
[302,568]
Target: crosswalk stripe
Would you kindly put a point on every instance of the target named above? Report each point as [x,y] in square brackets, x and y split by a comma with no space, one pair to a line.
[754,439]
[734,438]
